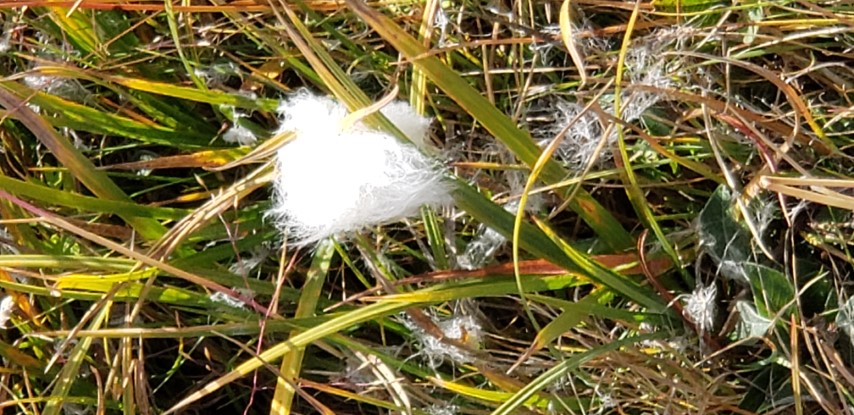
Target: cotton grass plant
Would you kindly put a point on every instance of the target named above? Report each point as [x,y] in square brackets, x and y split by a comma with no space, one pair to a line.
[377,178]
[700,264]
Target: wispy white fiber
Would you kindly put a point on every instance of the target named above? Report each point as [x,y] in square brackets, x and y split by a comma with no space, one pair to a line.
[487,241]
[218,73]
[701,307]
[481,249]
[442,409]
[240,135]
[251,260]
[461,328]
[6,37]
[333,179]
[225,299]
[644,66]
[7,306]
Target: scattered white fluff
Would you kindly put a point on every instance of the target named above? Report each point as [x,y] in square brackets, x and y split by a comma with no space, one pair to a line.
[845,318]
[240,135]
[464,329]
[7,306]
[146,155]
[250,261]
[442,409]
[481,249]
[218,73]
[487,241]
[6,39]
[237,133]
[644,66]
[581,140]
[222,298]
[334,179]
[701,307]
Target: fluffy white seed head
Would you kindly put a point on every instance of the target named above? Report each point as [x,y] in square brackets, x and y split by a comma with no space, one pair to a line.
[332,181]
[701,307]
[240,135]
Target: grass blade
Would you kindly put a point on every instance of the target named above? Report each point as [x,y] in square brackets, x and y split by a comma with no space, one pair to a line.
[501,127]
[80,166]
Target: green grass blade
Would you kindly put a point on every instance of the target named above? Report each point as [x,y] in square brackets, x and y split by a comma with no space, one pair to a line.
[497,123]
[562,369]
[82,118]
[80,166]
[71,369]
[87,203]
[367,313]
[545,246]
[310,293]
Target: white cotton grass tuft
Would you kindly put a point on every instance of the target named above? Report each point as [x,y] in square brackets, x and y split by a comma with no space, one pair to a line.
[701,307]
[333,179]
[845,318]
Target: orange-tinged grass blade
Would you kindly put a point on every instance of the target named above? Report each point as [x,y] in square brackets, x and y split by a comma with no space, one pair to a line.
[626,264]
[146,5]
[498,124]
[19,358]
[205,159]
[79,165]
[824,145]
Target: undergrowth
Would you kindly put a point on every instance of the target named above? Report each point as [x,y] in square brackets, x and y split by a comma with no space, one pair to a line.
[629,208]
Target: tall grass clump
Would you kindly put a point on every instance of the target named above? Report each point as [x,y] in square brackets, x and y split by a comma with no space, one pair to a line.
[426,207]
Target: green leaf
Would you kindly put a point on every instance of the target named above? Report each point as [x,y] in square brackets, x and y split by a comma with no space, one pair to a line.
[87,203]
[725,239]
[750,324]
[773,292]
